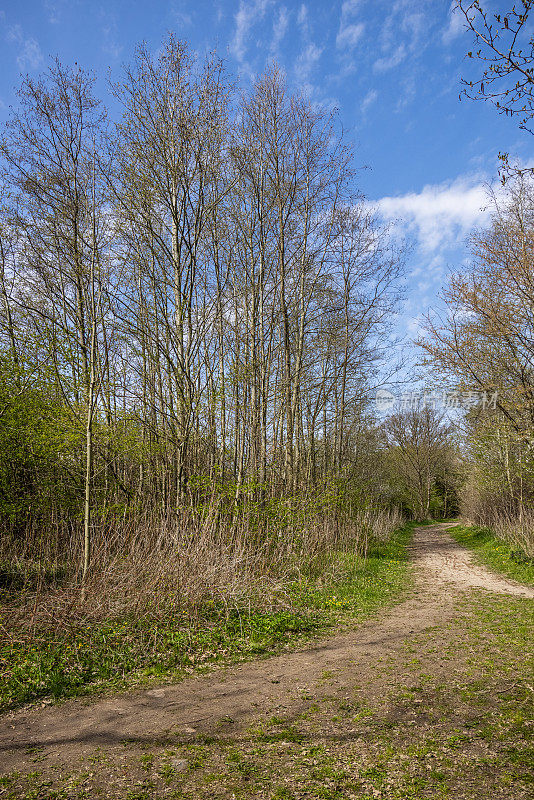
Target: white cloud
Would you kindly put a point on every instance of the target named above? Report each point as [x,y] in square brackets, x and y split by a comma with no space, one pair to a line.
[389,62]
[404,32]
[350,35]
[415,325]
[29,54]
[181,16]
[350,32]
[55,10]
[279,29]
[407,92]
[302,19]
[350,7]
[455,25]
[440,215]
[368,100]
[306,61]
[247,16]
[109,45]
[415,26]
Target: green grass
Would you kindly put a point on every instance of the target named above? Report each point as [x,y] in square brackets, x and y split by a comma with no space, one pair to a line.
[126,651]
[495,553]
[116,652]
[355,585]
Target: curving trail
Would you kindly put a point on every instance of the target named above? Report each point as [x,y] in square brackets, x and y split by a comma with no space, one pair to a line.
[443,570]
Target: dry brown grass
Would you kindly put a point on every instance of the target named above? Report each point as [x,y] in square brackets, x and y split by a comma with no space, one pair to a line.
[517,531]
[512,521]
[167,564]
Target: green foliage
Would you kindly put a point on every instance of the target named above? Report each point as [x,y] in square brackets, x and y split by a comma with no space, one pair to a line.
[24,417]
[340,496]
[38,444]
[62,665]
[502,463]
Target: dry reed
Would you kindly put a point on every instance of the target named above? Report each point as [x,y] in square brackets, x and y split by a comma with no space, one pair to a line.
[160,565]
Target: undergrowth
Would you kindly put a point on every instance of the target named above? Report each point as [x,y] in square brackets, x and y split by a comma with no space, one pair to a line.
[88,656]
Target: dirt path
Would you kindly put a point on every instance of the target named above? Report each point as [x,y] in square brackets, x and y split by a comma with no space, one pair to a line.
[231,699]
[441,560]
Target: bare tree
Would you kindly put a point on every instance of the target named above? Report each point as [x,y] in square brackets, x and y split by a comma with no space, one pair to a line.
[312,277]
[486,340]
[420,447]
[211,291]
[506,51]
[485,343]
[170,160]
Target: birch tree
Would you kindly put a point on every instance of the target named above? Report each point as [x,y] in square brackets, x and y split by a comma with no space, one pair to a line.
[49,157]
[170,159]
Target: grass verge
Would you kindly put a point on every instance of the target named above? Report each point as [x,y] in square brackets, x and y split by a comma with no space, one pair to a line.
[117,653]
[495,553]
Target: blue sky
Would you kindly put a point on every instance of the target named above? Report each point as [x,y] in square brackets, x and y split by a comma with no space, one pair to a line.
[391,67]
